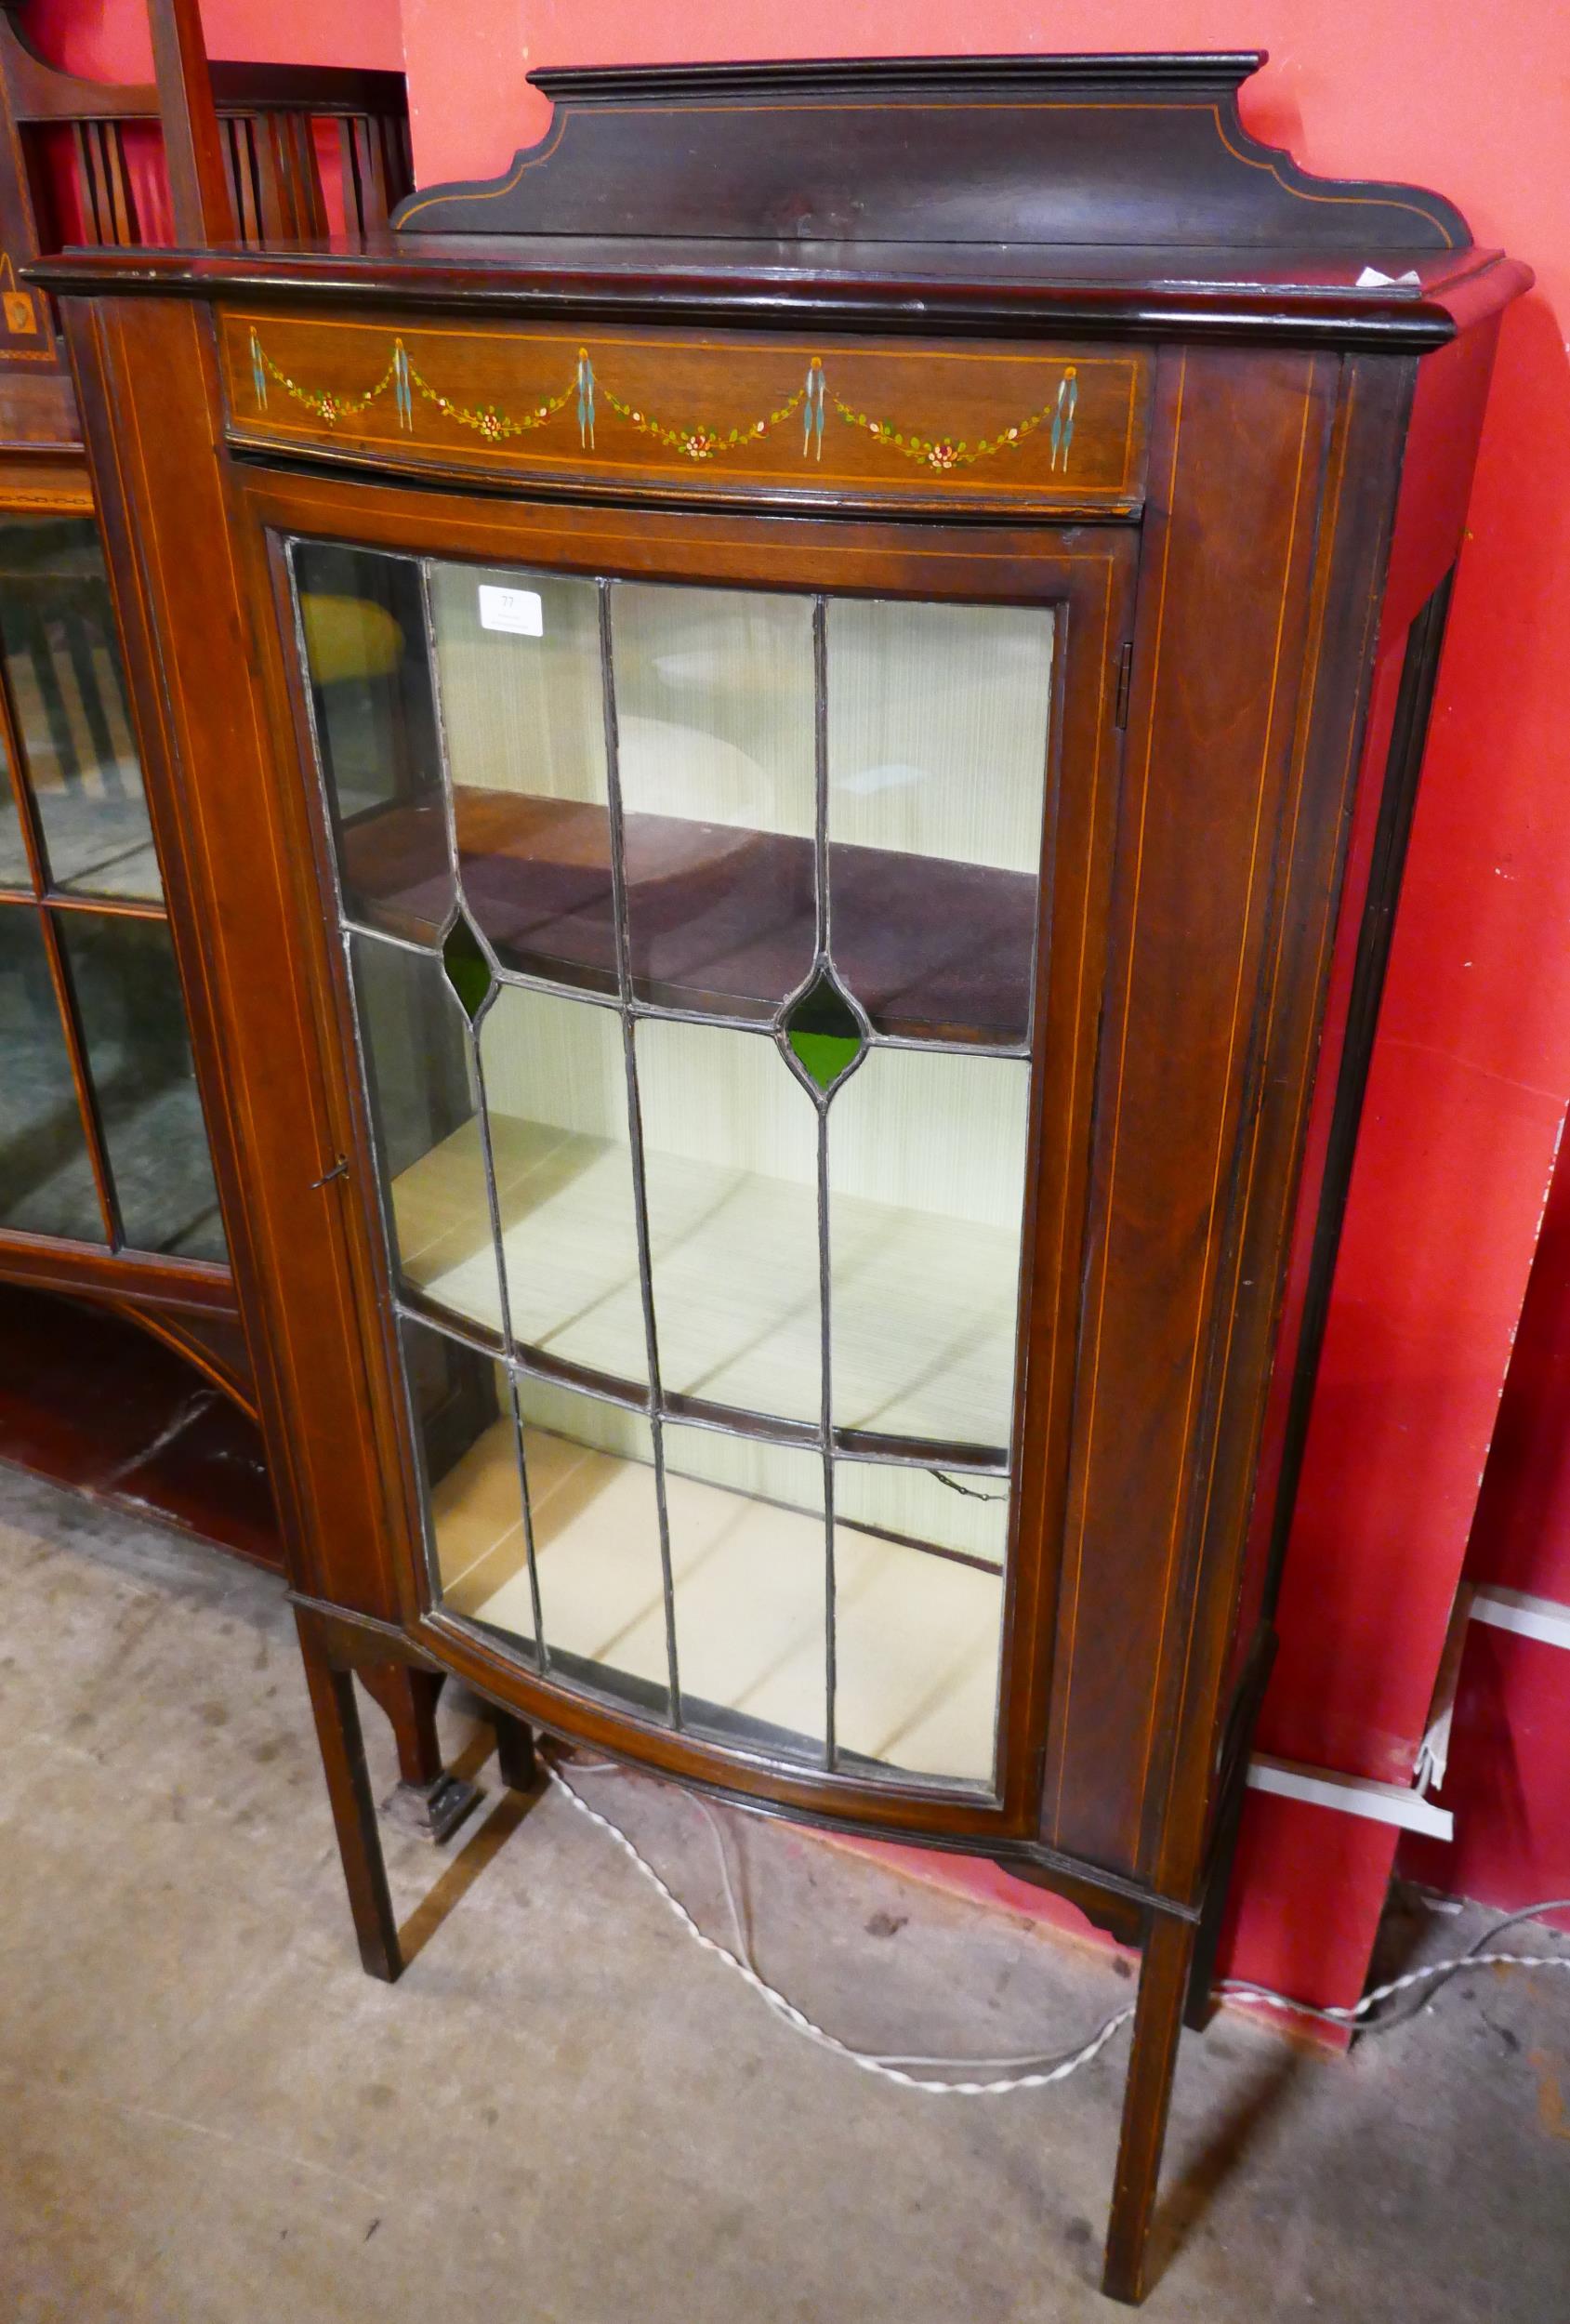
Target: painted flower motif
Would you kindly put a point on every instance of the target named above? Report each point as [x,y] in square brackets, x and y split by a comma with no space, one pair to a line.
[699,444]
[940,455]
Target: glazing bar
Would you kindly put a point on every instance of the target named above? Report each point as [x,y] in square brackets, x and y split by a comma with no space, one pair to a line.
[929,1453]
[820,884]
[563,988]
[635,1134]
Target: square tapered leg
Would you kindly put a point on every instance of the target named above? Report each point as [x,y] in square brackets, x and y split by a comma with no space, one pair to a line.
[516,1762]
[1164,1981]
[342,1746]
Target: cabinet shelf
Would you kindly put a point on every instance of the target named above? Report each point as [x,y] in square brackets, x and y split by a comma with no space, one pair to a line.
[721,919]
[924,1316]
[917,1635]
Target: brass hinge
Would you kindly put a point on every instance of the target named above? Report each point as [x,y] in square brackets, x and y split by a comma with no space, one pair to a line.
[1125,671]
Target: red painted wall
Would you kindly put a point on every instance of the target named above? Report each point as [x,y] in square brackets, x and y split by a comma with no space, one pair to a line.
[1473,1067]
[106,40]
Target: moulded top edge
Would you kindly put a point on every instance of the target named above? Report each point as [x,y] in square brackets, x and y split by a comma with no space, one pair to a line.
[930,290]
[1170,73]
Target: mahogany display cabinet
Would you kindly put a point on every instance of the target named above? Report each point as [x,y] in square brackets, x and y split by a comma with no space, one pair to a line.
[767,714]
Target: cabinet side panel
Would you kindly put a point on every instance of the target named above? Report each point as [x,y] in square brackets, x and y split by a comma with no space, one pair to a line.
[1436,471]
[1236,481]
[149,405]
[1214,1576]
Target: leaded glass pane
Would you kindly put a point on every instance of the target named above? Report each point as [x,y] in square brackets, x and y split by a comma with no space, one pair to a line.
[429,1140]
[556,1088]
[594,1507]
[746,1561]
[362,623]
[731,1163]
[938,731]
[822,1031]
[918,1636]
[715,743]
[962,1511]
[523,714]
[469,1445]
[926,1174]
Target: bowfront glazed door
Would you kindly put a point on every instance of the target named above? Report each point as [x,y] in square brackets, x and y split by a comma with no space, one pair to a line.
[695,940]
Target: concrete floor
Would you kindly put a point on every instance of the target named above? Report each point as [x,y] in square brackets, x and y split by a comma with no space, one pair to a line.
[566,2113]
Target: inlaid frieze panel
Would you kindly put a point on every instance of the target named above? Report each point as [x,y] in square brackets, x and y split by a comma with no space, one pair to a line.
[751,418]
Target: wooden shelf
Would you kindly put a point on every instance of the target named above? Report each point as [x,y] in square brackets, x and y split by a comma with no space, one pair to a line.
[917,1635]
[720,919]
[923,1304]
[93,1401]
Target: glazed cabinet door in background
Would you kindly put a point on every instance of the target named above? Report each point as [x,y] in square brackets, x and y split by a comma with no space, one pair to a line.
[102,1141]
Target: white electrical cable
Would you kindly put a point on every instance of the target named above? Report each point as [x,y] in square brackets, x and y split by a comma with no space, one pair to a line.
[798,2018]
[1240,1989]
[1015,2063]
[891,2065]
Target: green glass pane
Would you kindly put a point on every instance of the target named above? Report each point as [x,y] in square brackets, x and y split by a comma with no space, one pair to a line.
[826,1055]
[823,1032]
[468,971]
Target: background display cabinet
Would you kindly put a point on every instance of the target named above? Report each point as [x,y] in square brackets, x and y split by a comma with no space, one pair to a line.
[768,713]
[107,1187]
[111,1224]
